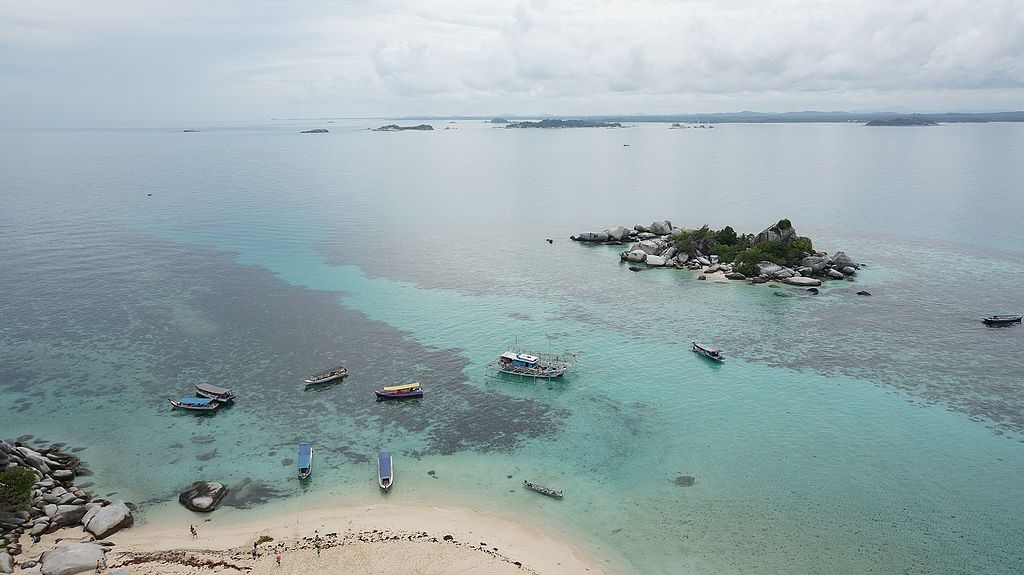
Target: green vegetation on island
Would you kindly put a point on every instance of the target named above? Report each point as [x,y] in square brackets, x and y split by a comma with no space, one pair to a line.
[16,488]
[746,250]
[550,123]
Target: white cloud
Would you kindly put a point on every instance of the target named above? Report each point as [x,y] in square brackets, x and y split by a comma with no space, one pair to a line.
[137,60]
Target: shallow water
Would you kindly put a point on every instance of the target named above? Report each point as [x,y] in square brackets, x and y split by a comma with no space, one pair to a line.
[844,433]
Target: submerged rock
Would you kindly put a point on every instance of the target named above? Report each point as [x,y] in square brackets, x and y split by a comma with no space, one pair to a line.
[685,480]
[203,496]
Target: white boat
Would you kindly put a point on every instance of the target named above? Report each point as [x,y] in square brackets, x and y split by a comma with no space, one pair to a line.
[537,365]
[305,462]
[326,375]
[221,394]
[707,351]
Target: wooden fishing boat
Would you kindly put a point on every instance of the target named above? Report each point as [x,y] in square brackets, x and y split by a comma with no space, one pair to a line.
[385,470]
[537,365]
[1001,318]
[557,493]
[210,391]
[195,403]
[305,461]
[708,351]
[332,374]
[400,391]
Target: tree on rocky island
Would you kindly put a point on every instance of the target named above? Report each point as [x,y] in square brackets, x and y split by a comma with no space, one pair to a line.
[16,488]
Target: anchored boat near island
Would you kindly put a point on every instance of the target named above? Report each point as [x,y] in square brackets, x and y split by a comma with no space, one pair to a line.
[536,365]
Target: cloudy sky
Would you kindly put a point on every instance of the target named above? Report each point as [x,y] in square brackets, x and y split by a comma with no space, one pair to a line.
[101,61]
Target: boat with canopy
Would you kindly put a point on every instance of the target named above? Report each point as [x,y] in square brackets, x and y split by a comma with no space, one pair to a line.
[1001,318]
[400,391]
[211,391]
[536,365]
[707,351]
[385,470]
[305,461]
[195,403]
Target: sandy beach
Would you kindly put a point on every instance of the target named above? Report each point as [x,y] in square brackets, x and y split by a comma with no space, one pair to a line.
[368,539]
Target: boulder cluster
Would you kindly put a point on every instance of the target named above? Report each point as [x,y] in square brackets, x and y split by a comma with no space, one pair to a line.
[55,501]
[653,245]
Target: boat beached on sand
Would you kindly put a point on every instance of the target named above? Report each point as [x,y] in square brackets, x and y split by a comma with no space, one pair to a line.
[220,394]
[305,461]
[400,391]
[708,351]
[536,365]
[332,374]
[1001,318]
[557,493]
[385,470]
[196,403]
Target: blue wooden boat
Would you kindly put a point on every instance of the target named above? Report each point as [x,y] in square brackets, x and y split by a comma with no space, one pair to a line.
[400,391]
[708,351]
[305,461]
[385,470]
[1001,318]
[195,403]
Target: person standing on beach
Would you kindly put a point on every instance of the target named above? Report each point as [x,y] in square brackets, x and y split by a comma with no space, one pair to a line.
[277,557]
[192,529]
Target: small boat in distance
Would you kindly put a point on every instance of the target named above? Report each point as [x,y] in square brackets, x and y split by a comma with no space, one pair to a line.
[326,375]
[708,351]
[536,365]
[385,472]
[542,490]
[220,394]
[1001,318]
[400,391]
[196,403]
[305,462]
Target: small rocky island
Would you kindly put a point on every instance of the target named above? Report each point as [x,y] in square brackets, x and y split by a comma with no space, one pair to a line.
[397,128]
[776,253]
[549,123]
[316,131]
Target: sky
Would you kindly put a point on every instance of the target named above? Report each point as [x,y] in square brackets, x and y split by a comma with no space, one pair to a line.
[92,62]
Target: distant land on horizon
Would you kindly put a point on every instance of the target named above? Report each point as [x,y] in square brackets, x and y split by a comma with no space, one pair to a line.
[746,117]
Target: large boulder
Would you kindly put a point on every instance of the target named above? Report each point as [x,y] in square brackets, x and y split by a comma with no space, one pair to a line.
[203,496]
[67,515]
[635,256]
[646,246]
[618,234]
[682,257]
[816,263]
[735,276]
[712,268]
[110,520]
[768,268]
[592,237]
[6,563]
[835,274]
[669,253]
[784,273]
[774,234]
[71,558]
[841,260]
[655,261]
[802,281]
[662,228]
[848,270]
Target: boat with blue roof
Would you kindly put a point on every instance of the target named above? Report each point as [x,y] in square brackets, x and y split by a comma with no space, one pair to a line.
[196,403]
[385,470]
[305,460]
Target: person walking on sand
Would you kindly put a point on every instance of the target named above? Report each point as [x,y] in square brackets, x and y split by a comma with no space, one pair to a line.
[192,529]
[277,557]
[99,566]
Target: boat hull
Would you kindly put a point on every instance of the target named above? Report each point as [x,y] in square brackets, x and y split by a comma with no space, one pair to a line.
[305,460]
[204,408]
[556,493]
[385,470]
[1001,320]
[402,395]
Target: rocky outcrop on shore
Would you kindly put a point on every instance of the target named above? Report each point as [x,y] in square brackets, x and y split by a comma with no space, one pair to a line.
[55,501]
[655,246]
[203,496]
[316,131]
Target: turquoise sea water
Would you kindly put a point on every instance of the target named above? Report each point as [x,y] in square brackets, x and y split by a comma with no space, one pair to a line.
[844,434]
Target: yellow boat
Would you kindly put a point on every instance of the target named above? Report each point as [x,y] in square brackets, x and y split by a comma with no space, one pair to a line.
[400,391]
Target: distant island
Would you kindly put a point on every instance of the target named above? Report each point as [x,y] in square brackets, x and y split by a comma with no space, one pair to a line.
[316,131]
[551,123]
[190,130]
[776,253]
[397,128]
[912,120]
[497,121]
[748,117]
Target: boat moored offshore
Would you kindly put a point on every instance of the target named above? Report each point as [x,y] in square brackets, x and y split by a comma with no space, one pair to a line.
[385,470]
[537,365]
[708,351]
[332,374]
[400,391]
[195,403]
[556,493]
[305,461]
[1001,318]
[210,391]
